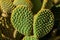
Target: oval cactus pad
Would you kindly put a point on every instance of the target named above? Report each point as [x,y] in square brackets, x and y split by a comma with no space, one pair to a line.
[43,23]
[22,19]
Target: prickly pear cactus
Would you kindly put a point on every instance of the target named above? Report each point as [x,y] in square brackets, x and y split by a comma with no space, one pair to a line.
[43,23]
[30,38]
[31,19]
[6,5]
[23,2]
[22,19]
[28,24]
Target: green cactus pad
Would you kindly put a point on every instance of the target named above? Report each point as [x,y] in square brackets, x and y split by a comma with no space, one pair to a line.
[6,5]
[43,23]
[29,38]
[23,2]
[22,19]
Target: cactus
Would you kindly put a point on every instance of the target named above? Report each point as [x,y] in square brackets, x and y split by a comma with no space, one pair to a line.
[33,19]
[43,23]
[23,2]
[22,19]
[6,5]
[30,38]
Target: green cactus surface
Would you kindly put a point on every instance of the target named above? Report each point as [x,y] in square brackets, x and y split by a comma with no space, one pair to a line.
[6,5]
[29,38]
[23,2]
[43,23]
[22,19]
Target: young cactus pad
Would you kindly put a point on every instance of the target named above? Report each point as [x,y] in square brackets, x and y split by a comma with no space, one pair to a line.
[22,19]
[43,23]
[29,38]
[6,5]
[23,2]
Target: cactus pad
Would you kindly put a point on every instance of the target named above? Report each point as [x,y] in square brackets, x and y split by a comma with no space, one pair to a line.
[43,23]
[23,2]
[29,38]
[22,19]
[6,5]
